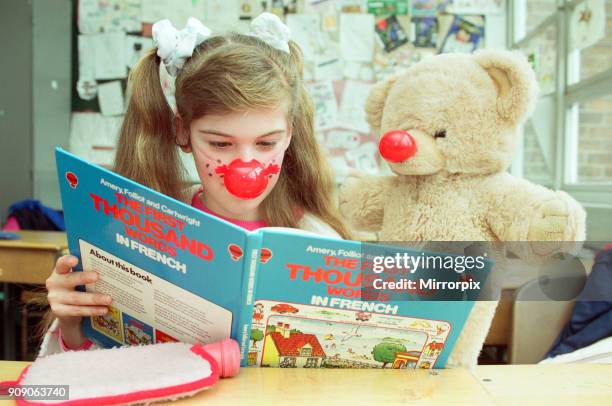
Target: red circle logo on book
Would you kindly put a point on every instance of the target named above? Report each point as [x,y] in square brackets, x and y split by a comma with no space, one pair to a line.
[72,179]
[234,251]
[265,255]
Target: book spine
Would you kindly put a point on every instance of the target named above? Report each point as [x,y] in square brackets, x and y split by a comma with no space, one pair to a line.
[249,285]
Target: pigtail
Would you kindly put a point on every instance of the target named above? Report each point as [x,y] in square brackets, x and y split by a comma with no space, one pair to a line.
[146,150]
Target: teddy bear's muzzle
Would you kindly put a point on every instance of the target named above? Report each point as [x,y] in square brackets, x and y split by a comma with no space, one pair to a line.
[397,146]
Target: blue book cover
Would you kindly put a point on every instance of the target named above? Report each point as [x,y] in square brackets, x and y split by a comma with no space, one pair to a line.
[290,298]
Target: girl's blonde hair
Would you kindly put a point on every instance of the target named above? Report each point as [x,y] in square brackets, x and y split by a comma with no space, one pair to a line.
[226,74]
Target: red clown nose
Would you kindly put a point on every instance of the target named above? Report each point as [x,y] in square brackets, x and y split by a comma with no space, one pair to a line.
[397,146]
[246,180]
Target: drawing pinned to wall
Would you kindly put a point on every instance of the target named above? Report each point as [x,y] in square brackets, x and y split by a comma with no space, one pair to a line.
[87,87]
[425,32]
[395,63]
[342,139]
[326,109]
[305,31]
[96,16]
[284,7]
[350,6]
[328,65]
[363,158]
[329,22]
[465,34]
[93,137]
[135,48]
[423,7]
[358,71]
[110,98]
[250,9]
[587,24]
[386,7]
[357,37]
[351,114]
[476,6]
[177,11]
[109,55]
[543,60]
[391,33]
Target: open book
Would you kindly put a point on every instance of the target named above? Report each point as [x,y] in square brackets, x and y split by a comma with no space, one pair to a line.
[290,298]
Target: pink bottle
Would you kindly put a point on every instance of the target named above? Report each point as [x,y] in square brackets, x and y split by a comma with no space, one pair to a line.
[226,353]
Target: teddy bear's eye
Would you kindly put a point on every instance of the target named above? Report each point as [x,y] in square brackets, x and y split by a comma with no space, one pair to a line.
[440,134]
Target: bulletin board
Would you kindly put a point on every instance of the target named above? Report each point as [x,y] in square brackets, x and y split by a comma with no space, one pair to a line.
[348,45]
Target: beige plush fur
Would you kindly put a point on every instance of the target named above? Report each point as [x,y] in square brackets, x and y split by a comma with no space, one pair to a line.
[456,188]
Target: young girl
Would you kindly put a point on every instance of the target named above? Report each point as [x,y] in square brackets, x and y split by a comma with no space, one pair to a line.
[238,104]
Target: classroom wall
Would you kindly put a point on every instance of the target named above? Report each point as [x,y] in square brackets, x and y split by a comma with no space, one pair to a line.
[48,98]
[15,103]
[35,97]
[51,76]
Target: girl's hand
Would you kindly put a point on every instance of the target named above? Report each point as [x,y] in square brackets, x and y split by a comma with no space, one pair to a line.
[70,305]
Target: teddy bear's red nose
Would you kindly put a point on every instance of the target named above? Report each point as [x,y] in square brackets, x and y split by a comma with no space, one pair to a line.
[397,146]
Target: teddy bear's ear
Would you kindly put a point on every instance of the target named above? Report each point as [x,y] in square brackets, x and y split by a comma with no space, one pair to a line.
[375,104]
[517,87]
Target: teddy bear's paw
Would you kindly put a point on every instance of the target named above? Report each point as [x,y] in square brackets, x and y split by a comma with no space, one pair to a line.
[350,189]
[552,225]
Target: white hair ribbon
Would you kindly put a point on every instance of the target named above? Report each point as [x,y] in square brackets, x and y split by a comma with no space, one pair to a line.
[174,47]
[271,30]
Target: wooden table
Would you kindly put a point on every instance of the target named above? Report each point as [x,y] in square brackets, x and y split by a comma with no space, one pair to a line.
[28,260]
[31,258]
[487,385]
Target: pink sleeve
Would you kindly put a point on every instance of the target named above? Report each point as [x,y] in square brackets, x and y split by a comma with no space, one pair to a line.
[86,345]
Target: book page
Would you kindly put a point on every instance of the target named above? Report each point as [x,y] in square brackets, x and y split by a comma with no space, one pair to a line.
[147,309]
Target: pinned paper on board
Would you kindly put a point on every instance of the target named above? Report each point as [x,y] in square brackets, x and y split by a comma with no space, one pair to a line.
[94,137]
[342,139]
[386,7]
[326,109]
[250,9]
[109,51]
[476,7]
[391,33]
[350,6]
[135,48]
[588,24]
[329,22]
[351,114]
[96,16]
[363,158]
[357,37]
[423,7]
[110,97]
[306,32]
[177,11]
[87,87]
[465,35]
[425,32]
[329,67]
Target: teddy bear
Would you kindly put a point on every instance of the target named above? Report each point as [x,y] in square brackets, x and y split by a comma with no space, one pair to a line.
[448,130]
